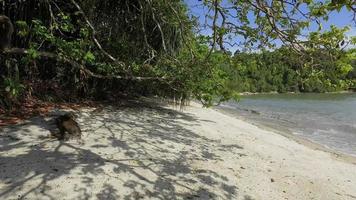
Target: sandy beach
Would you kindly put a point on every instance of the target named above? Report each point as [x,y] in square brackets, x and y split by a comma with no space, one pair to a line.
[146,151]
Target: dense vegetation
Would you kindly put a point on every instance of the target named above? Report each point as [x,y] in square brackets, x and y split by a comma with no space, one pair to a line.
[284,71]
[92,49]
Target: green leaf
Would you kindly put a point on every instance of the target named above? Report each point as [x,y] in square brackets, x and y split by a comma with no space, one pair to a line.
[89,57]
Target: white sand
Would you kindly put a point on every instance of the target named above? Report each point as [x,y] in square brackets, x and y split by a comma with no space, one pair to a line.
[151,153]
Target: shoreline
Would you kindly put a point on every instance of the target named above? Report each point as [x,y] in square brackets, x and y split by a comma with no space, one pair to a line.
[276,93]
[299,139]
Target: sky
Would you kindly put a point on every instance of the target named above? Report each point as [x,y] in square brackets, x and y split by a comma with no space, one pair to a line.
[339,19]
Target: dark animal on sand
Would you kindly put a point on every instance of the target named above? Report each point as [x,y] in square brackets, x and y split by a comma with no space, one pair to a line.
[68,127]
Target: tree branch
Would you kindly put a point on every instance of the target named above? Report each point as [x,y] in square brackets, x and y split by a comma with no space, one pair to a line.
[19,51]
[97,43]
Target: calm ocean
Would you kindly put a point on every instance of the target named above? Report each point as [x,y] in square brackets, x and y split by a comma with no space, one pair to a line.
[327,119]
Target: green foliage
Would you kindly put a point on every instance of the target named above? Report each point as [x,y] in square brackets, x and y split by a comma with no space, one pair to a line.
[285,71]
[12,88]
[325,66]
[89,57]
[23,29]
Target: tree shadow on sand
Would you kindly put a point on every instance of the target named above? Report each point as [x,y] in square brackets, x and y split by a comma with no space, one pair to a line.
[133,151]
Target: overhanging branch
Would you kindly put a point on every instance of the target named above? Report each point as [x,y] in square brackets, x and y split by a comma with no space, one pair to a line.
[19,51]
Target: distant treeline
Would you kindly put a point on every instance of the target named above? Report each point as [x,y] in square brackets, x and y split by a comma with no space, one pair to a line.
[285,71]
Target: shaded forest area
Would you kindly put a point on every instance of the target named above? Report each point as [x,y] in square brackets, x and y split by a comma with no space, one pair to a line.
[63,50]
[73,51]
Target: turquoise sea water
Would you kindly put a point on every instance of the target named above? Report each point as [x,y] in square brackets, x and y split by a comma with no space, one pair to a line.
[327,119]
